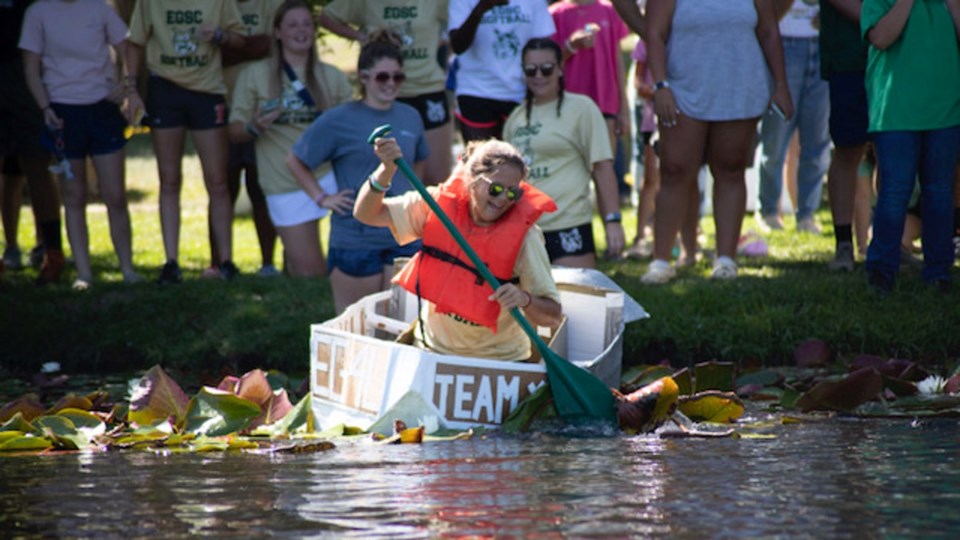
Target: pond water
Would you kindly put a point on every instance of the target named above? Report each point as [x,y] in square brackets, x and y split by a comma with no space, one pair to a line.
[841,478]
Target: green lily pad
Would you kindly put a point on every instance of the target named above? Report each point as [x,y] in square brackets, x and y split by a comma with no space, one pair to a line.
[214,413]
[26,443]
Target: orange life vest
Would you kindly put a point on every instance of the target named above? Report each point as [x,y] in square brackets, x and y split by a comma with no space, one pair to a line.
[443,274]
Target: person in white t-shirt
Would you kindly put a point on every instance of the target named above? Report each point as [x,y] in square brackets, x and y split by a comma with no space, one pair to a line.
[487,36]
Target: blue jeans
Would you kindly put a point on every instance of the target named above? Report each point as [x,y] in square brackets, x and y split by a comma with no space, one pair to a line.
[901,156]
[811,117]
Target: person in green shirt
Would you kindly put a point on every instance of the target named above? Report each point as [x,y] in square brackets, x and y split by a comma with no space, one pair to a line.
[912,77]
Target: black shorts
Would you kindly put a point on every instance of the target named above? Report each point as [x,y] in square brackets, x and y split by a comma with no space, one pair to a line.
[434,108]
[570,242]
[171,105]
[241,155]
[848,109]
[482,113]
[88,130]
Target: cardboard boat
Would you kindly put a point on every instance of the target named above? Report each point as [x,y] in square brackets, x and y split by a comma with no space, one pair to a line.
[360,376]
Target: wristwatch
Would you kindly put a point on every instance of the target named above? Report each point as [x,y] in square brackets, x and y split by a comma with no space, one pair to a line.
[660,85]
[612,217]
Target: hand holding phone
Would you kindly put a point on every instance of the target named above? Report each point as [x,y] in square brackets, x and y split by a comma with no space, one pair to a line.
[778,111]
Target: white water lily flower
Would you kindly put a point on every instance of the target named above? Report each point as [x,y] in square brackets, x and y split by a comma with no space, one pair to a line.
[50,367]
[933,384]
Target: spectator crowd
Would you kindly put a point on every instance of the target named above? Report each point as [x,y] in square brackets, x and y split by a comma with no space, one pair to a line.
[861,95]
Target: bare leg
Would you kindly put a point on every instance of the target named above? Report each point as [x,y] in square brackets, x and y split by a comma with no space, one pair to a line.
[862,210]
[10,206]
[842,182]
[440,163]
[728,149]
[168,147]
[233,185]
[302,249]
[790,164]
[110,171]
[75,208]
[648,191]
[212,149]
[266,232]
[349,289]
[680,149]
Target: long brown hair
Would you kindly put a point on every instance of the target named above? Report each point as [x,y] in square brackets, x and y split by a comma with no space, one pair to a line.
[312,82]
[537,44]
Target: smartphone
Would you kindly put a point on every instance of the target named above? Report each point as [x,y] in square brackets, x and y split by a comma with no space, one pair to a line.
[778,111]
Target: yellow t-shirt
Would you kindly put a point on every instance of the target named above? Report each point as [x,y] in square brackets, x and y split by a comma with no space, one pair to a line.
[447,334]
[257,18]
[561,152]
[253,89]
[420,23]
[168,30]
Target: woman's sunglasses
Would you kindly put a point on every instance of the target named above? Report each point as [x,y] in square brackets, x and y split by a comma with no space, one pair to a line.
[382,77]
[496,189]
[530,70]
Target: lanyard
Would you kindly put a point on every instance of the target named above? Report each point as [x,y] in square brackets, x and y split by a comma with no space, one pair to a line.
[298,85]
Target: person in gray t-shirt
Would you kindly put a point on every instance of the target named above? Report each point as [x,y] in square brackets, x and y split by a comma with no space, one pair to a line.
[360,256]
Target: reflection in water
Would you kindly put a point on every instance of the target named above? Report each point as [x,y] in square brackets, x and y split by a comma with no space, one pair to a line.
[841,478]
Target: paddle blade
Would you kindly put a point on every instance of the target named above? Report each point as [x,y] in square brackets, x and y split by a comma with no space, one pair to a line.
[577,393]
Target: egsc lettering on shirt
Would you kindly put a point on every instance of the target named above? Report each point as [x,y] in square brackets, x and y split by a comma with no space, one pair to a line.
[400,18]
[184,16]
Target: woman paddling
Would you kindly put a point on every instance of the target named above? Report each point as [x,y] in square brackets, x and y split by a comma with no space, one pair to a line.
[496,210]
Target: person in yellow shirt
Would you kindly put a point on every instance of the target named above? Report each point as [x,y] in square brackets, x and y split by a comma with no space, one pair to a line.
[186,91]
[563,137]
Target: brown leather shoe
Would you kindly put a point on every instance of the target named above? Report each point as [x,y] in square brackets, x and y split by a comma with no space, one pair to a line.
[53,263]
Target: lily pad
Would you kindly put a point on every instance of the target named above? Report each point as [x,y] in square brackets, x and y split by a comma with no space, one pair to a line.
[844,395]
[713,375]
[214,412]
[157,397]
[712,406]
[26,443]
[28,406]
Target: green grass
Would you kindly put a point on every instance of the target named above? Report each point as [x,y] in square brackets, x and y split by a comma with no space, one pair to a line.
[205,326]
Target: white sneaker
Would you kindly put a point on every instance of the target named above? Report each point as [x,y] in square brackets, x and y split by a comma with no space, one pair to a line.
[768,223]
[640,250]
[658,272]
[724,268]
[809,225]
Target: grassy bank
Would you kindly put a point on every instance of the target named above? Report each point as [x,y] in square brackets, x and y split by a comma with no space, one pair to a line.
[211,326]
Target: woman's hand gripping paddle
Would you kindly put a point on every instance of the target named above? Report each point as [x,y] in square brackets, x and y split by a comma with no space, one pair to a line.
[577,393]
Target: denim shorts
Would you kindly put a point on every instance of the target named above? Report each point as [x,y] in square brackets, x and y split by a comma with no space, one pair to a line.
[368,262]
[570,242]
[171,105]
[88,130]
[848,109]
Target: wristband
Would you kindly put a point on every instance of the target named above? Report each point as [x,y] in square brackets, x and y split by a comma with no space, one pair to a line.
[320,198]
[252,130]
[660,85]
[612,217]
[529,300]
[377,187]
[218,36]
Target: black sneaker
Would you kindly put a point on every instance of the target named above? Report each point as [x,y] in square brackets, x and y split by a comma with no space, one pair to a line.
[880,283]
[170,274]
[228,270]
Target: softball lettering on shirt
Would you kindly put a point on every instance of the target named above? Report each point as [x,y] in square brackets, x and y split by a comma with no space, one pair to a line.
[183,31]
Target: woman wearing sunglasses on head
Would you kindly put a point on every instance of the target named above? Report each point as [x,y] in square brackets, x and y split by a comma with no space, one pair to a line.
[274,101]
[563,137]
[360,257]
[495,210]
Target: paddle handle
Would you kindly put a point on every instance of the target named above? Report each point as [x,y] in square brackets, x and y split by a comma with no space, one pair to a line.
[528,328]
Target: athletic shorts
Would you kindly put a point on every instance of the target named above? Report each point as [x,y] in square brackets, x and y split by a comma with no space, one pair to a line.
[296,207]
[171,105]
[88,130]
[241,155]
[368,262]
[848,109]
[433,108]
[569,242]
[482,113]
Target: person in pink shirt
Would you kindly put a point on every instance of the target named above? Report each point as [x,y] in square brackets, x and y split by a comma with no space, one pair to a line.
[66,48]
[589,31]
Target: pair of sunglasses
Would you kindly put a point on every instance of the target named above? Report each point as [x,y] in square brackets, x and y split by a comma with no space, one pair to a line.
[496,189]
[530,70]
[383,76]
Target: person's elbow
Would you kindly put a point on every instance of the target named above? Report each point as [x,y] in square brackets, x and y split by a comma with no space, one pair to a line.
[878,39]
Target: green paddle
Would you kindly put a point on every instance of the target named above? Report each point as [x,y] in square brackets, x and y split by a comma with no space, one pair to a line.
[577,393]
